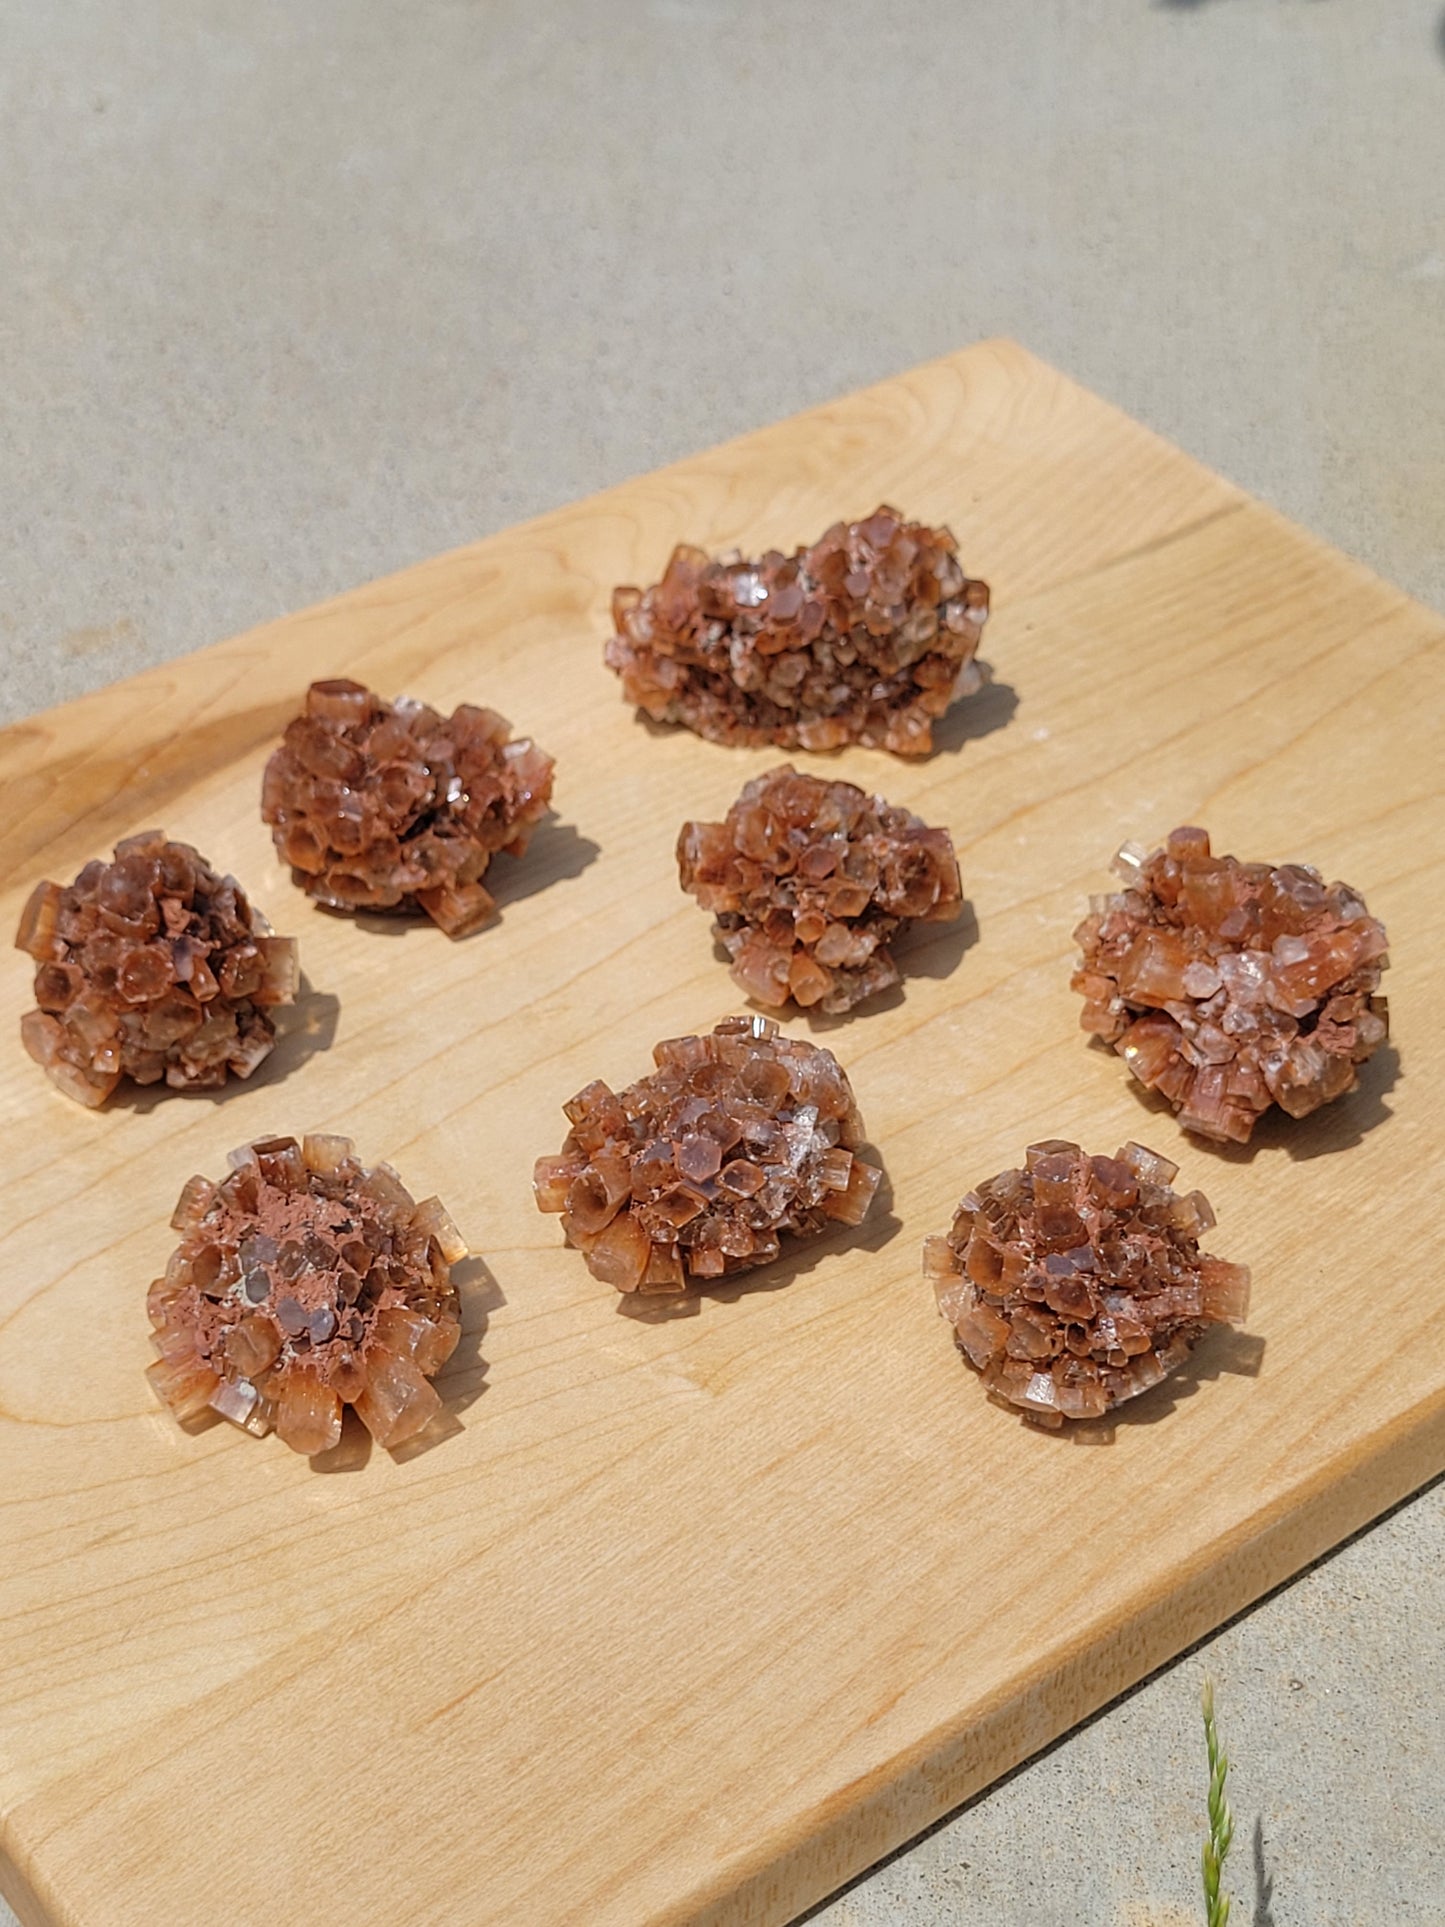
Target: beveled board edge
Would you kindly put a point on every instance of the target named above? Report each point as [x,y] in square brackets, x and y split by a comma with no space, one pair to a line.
[870,1818]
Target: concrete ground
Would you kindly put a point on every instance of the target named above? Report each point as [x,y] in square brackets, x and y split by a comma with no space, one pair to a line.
[295,294]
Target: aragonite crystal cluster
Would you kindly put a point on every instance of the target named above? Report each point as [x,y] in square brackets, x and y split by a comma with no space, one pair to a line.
[151,967]
[392,806]
[865,637]
[698,1170]
[1078,1282]
[1229,986]
[808,880]
[302,1283]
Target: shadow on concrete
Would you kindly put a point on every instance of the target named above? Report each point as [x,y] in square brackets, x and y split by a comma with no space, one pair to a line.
[1263,1880]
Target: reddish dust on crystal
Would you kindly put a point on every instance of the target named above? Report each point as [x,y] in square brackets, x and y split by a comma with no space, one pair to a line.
[303,1283]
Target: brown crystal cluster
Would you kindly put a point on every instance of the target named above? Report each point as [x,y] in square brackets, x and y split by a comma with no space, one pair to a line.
[698,1169]
[392,806]
[303,1283]
[808,881]
[1078,1282]
[866,637]
[1231,986]
[151,967]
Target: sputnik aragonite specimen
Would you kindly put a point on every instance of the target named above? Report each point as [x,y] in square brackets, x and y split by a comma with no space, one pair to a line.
[302,1283]
[1078,1282]
[1229,986]
[698,1170]
[395,807]
[866,637]
[150,967]
[809,880]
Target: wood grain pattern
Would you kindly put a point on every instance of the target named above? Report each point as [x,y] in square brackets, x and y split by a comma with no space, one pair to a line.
[692,1618]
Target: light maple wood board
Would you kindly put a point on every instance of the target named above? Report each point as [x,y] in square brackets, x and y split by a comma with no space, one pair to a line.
[689,1620]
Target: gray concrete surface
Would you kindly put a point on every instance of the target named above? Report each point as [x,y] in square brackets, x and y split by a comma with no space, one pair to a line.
[1328,1696]
[293,294]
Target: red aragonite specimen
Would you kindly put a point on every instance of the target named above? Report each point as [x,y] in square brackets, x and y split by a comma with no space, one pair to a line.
[1078,1282]
[809,880]
[693,1172]
[392,806]
[303,1283]
[1231,986]
[151,967]
[866,637]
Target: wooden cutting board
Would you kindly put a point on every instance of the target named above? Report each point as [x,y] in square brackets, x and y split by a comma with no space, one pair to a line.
[691,1618]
